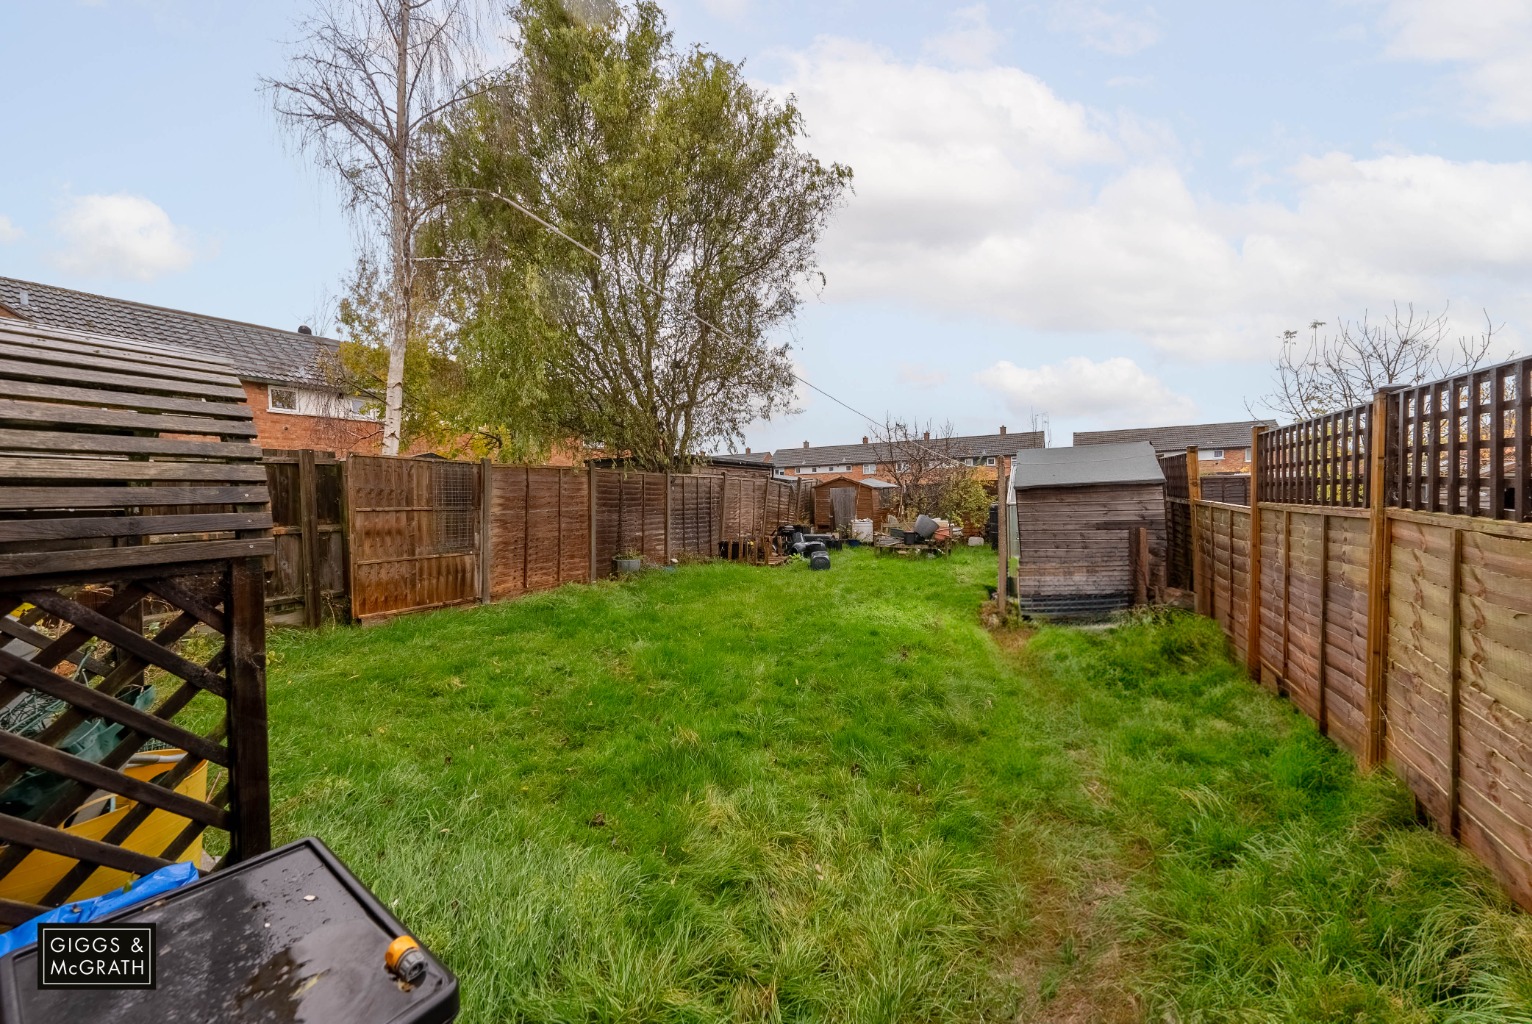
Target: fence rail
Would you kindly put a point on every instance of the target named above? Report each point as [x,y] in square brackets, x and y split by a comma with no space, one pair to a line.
[1395,615]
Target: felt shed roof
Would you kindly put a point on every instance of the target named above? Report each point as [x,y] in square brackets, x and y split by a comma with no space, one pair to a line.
[1129,462]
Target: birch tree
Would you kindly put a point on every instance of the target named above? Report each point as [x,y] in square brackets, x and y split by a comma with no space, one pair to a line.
[365,84]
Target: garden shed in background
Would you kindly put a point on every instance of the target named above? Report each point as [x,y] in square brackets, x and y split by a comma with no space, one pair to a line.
[840,499]
[1089,527]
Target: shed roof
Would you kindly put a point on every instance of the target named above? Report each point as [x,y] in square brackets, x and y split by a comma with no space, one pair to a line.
[865,481]
[253,352]
[1130,462]
[1179,438]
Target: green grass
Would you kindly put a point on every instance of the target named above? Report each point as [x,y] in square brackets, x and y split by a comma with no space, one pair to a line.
[734,793]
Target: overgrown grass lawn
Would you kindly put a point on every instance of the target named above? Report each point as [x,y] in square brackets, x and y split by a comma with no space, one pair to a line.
[736,793]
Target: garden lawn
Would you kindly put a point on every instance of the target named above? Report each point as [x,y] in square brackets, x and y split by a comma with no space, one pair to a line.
[737,793]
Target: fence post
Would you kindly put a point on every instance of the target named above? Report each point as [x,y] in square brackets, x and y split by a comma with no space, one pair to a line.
[723,514]
[590,494]
[1377,579]
[1003,536]
[1253,588]
[486,499]
[667,517]
[308,520]
[1193,496]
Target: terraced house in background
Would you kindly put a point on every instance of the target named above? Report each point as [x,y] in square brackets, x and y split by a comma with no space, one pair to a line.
[1221,447]
[879,459]
[288,376]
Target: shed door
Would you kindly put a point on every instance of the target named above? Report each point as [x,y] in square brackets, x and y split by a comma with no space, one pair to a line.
[842,506]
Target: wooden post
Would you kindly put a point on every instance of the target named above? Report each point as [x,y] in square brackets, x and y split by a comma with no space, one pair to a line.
[1454,687]
[308,521]
[590,493]
[667,517]
[1321,674]
[526,529]
[1193,496]
[723,515]
[1377,582]
[1253,588]
[245,712]
[1003,536]
[486,501]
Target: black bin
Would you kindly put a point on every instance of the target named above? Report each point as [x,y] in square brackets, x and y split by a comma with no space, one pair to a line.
[248,945]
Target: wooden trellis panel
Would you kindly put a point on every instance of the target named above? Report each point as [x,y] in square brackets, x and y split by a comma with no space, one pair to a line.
[129,477]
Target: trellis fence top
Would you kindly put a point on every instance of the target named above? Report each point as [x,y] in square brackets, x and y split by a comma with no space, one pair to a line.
[119,455]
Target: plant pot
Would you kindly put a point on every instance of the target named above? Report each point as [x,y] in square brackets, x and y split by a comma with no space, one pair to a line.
[627,565]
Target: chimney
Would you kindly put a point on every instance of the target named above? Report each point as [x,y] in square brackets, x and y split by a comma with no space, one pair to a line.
[747,449]
[805,444]
[864,438]
[926,436]
[304,329]
[1002,430]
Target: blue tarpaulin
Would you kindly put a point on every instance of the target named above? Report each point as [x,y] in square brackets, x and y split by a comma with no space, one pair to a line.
[146,888]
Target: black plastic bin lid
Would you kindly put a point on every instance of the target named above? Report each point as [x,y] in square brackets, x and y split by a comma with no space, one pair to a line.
[283,938]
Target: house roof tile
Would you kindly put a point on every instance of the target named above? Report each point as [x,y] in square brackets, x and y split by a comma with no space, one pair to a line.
[257,353]
[1179,438]
[967,447]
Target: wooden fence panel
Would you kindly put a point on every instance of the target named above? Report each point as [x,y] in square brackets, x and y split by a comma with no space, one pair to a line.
[694,505]
[414,534]
[1345,630]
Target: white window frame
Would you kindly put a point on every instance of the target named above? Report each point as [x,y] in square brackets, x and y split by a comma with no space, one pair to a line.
[271,400]
[869,467]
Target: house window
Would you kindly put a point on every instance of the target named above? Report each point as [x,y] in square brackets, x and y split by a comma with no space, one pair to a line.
[839,469]
[1247,454]
[362,409]
[869,467]
[283,399]
[989,460]
[1209,454]
[904,467]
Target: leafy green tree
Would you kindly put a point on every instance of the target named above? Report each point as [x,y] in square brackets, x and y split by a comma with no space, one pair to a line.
[694,190]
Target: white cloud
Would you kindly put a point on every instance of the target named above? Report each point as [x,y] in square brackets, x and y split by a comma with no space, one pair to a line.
[1110,392]
[9,232]
[1489,40]
[981,191]
[123,236]
[1106,30]
[922,376]
[970,42]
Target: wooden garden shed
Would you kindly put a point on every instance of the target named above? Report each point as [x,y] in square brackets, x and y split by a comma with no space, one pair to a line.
[840,499]
[1089,524]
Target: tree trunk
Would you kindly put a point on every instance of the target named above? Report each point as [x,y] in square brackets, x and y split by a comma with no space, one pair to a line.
[399,245]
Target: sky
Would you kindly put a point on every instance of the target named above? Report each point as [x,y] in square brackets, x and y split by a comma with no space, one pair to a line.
[1101,212]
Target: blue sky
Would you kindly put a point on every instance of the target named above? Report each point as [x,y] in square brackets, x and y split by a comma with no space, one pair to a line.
[1103,211]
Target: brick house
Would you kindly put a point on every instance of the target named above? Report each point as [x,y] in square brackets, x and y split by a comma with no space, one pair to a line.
[1221,447]
[283,372]
[872,458]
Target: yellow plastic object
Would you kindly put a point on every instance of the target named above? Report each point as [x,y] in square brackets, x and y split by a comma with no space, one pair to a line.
[40,871]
